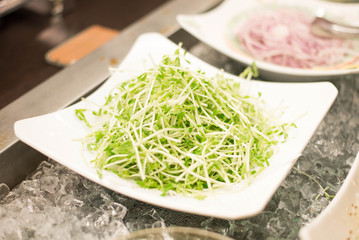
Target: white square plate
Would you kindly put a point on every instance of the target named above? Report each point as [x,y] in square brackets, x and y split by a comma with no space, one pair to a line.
[215,29]
[306,104]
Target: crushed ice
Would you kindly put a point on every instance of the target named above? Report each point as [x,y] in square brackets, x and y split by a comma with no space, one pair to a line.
[55,203]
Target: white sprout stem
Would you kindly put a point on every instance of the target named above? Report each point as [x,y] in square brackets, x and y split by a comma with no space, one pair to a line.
[177,129]
[139,164]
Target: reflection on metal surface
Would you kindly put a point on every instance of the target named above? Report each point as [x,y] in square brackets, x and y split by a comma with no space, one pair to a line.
[57,31]
[7,6]
[324,28]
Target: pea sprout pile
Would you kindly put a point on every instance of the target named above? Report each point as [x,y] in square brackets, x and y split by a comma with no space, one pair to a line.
[177,130]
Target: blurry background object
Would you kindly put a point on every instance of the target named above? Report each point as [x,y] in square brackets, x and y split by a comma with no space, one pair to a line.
[51,7]
[33,28]
[323,27]
[80,45]
[7,6]
[239,29]
[57,31]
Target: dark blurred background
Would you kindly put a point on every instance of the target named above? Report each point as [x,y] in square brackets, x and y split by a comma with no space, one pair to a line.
[27,30]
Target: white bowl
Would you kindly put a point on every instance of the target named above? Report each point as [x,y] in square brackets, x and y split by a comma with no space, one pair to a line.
[340,219]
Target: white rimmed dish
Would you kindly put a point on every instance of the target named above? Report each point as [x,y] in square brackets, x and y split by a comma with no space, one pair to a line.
[55,135]
[340,219]
[214,29]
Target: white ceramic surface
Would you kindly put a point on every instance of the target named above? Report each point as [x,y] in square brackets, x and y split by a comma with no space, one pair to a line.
[306,104]
[340,219]
[213,28]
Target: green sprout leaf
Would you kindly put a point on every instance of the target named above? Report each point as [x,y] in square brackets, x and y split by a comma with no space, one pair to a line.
[182,132]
